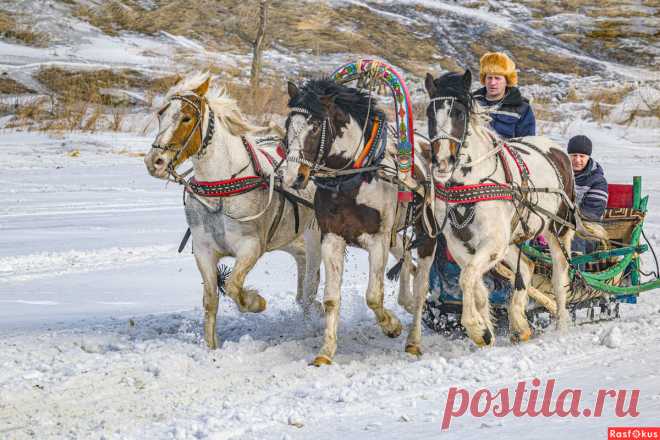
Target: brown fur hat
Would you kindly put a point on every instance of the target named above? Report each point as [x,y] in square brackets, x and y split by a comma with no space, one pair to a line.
[498,63]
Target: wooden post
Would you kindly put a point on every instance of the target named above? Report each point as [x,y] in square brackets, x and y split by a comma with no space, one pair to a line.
[257,46]
[637,197]
[637,191]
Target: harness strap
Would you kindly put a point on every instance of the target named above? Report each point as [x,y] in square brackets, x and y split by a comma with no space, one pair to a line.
[269,158]
[276,220]
[253,156]
[226,188]
[473,193]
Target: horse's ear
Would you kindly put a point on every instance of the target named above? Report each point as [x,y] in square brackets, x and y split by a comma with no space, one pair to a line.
[430,84]
[292,89]
[467,80]
[203,87]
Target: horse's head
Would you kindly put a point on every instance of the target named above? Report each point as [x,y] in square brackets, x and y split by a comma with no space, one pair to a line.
[327,123]
[448,119]
[181,128]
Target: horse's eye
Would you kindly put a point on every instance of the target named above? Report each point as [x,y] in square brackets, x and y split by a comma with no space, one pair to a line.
[186,119]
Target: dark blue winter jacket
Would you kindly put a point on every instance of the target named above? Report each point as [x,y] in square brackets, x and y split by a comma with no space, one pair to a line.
[512,116]
[591,190]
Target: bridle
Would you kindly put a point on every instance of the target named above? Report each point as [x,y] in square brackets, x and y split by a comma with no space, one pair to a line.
[295,153]
[205,139]
[447,136]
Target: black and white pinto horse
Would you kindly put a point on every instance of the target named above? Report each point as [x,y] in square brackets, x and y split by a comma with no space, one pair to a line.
[230,206]
[488,208]
[338,136]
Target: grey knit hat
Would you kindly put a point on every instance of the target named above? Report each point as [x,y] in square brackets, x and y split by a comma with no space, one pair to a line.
[579,144]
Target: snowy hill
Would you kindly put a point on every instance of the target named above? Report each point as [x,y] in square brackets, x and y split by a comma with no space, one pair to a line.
[591,52]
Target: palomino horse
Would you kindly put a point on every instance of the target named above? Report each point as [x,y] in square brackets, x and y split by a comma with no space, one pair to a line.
[226,198]
[338,135]
[488,208]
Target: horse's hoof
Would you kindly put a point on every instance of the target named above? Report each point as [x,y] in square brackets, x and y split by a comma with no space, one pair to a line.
[320,360]
[391,325]
[518,337]
[485,340]
[488,337]
[414,350]
[394,332]
[261,306]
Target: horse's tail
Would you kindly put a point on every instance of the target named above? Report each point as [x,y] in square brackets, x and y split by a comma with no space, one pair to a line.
[589,229]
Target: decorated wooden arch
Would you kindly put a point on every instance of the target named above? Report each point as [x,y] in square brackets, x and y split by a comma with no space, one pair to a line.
[378,70]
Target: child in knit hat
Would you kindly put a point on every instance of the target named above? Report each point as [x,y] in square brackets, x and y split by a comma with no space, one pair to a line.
[590,186]
[590,183]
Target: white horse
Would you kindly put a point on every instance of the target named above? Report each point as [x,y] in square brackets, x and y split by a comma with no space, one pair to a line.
[230,205]
[498,194]
[333,129]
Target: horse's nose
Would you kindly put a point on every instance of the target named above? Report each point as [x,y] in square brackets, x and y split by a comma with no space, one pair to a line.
[299,182]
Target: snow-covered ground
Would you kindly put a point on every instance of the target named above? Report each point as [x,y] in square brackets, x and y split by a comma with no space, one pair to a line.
[100,317]
[101,335]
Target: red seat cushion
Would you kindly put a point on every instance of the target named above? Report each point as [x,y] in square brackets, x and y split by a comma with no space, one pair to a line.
[620,195]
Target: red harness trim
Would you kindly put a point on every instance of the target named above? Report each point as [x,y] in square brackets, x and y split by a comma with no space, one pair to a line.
[519,161]
[473,193]
[269,158]
[227,188]
[237,185]
[481,192]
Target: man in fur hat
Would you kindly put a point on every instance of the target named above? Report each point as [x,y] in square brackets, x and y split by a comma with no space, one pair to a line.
[511,113]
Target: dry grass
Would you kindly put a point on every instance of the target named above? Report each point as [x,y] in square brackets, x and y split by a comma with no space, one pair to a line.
[79,103]
[616,21]
[12,29]
[603,100]
[85,85]
[229,25]
[547,112]
[191,18]
[572,95]
[10,87]
[270,99]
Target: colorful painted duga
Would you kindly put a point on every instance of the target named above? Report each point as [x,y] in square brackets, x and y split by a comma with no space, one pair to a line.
[388,75]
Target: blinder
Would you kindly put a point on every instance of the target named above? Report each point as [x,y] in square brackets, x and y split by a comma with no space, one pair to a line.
[198,110]
[455,143]
[297,154]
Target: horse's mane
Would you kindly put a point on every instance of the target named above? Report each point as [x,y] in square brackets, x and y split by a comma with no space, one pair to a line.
[451,84]
[356,103]
[224,106]
[480,115]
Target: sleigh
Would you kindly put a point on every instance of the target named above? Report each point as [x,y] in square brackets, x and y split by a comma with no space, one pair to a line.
[600,280]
